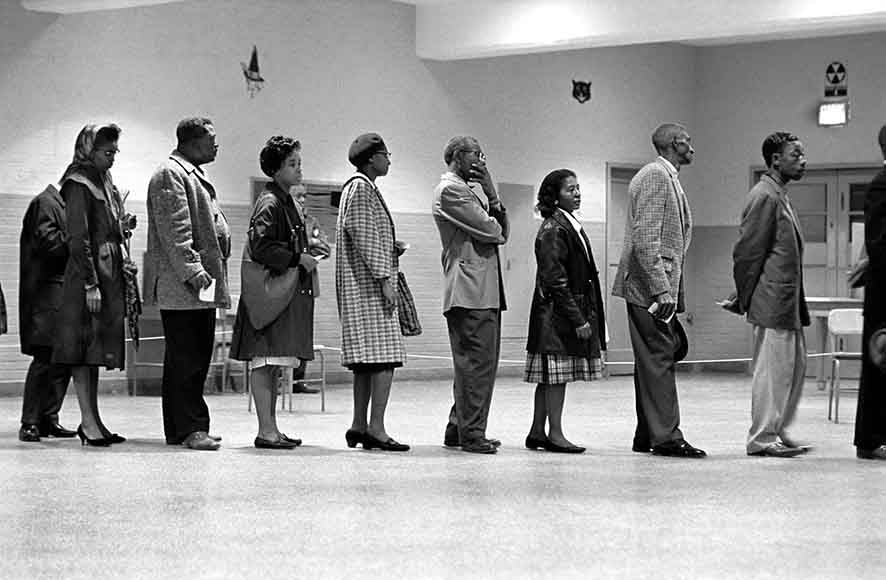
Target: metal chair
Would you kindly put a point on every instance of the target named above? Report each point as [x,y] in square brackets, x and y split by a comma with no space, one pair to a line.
[287,386]
[843,323]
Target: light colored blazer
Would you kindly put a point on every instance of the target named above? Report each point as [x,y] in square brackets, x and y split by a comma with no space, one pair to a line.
[657,233]
[187,234]
[470,233]
[768,260]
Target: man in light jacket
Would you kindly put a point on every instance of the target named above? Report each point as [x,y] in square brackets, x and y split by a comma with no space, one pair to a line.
[768,273]
[472,227]
[188,247]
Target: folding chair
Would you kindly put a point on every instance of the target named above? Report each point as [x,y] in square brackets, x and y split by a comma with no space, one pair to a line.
[843,323]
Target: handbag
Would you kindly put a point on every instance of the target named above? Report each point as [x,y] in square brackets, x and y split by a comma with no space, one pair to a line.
[264,293]
[408,314]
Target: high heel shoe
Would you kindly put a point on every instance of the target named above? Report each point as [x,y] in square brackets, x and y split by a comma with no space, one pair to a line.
[352,436]
[84,440]
[115,438]
[554,448]
[370,442]
[533,443]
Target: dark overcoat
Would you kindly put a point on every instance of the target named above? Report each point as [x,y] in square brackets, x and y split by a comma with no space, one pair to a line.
[567,293]
[96,258]
[43,254]
[277,238]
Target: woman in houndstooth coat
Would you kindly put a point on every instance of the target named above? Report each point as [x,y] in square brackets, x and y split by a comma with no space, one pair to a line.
[366,264]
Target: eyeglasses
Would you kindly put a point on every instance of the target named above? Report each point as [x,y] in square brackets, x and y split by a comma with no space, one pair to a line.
[108,152]
[480,155]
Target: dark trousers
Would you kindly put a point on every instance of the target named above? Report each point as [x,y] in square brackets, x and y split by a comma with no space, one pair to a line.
[655,386]
[475,339]
[870,414]
[190,337]
[45,387]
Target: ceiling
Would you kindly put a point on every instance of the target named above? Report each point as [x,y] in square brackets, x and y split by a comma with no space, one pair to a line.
[460,29]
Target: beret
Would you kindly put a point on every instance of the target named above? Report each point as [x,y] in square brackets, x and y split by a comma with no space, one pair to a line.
[364,147]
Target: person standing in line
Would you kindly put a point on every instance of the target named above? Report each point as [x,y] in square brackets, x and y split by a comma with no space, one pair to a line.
[870,414]
[650,278]
[43,255]
[567,328]
[768,274]
[189,243]
[366,267]
[89,330]
[472,227]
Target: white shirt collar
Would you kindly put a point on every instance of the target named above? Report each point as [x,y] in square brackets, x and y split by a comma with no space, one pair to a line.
[669,165]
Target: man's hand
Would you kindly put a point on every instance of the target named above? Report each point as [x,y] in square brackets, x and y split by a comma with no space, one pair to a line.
[584,331]
[480,174]
[666,306]
[94,300]
[200,281]
[387,291]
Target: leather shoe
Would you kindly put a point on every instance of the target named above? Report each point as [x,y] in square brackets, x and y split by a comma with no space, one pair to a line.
[678,449]
[280,443]
[790,442]
[200,441]
[448,442]
[29,433]
[370,442]
[554,448]
[778,449]
[637,448]
[289,439]
[484,446]
[56,430]
[300,387]
[876,453]
[534,443]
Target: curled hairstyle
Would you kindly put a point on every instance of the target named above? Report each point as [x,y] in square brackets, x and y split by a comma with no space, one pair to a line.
[775,144]
[459,143]
[549,191]
[191,128]
[275,152]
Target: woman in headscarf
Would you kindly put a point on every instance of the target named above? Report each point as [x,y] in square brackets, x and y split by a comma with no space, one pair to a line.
[89,330]
[278,241]
[566,324]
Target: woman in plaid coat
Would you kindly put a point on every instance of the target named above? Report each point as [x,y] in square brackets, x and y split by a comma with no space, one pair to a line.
[566,324]
[366,264]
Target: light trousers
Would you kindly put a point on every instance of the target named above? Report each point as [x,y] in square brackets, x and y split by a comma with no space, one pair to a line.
[779,373]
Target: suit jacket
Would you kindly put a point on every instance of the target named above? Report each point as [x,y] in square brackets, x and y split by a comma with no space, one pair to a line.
[768,260]
[43,254]
[187,234]
[657,234]
[567,293]
[470,233]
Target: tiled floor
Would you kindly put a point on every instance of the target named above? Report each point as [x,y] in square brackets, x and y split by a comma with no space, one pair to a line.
[145,510]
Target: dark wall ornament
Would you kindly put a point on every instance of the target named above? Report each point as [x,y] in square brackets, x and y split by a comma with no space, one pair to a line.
[254,80]
[581,91]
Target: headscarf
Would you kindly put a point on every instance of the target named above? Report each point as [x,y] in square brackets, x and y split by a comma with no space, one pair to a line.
[83,150]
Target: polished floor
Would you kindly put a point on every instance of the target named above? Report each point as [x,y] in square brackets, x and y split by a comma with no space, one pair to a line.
[146,510]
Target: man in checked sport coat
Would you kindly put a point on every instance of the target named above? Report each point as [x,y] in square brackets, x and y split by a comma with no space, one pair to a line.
[472,227]
[650,279]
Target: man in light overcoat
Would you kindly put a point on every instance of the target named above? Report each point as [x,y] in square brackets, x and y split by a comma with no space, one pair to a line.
[189,243]
[650,279]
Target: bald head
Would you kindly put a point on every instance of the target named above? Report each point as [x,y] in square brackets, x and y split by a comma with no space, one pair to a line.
[664,136]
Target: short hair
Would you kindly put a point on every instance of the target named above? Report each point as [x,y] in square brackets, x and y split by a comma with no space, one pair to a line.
[459,143]
[775,143]
[665,134]
[549,191]
[191,128]
[109,133]
[881,139]
[275,152]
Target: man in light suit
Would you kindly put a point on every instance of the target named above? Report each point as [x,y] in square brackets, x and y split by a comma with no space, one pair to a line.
[189,243]
[650,279]
[768,273]
[471,227]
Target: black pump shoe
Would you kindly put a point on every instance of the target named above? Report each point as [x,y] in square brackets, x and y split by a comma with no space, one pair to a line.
[533,443]
[353,437]
[84,440]
[370,442]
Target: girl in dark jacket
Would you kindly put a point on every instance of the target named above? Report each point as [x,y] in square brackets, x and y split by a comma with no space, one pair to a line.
[566,323]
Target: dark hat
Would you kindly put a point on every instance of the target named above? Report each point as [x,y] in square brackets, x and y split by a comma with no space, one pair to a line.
[877,348]
[682,349]
[364,147]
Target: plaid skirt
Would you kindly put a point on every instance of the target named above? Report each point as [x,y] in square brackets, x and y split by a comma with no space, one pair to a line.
[555,369]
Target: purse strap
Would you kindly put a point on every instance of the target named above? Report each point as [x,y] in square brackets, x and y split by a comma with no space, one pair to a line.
[247,255]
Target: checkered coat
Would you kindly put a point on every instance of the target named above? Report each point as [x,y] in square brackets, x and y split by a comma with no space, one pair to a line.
[364,255]
[657,233]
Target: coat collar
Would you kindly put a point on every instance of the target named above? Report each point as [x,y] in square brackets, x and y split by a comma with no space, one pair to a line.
[560,217]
